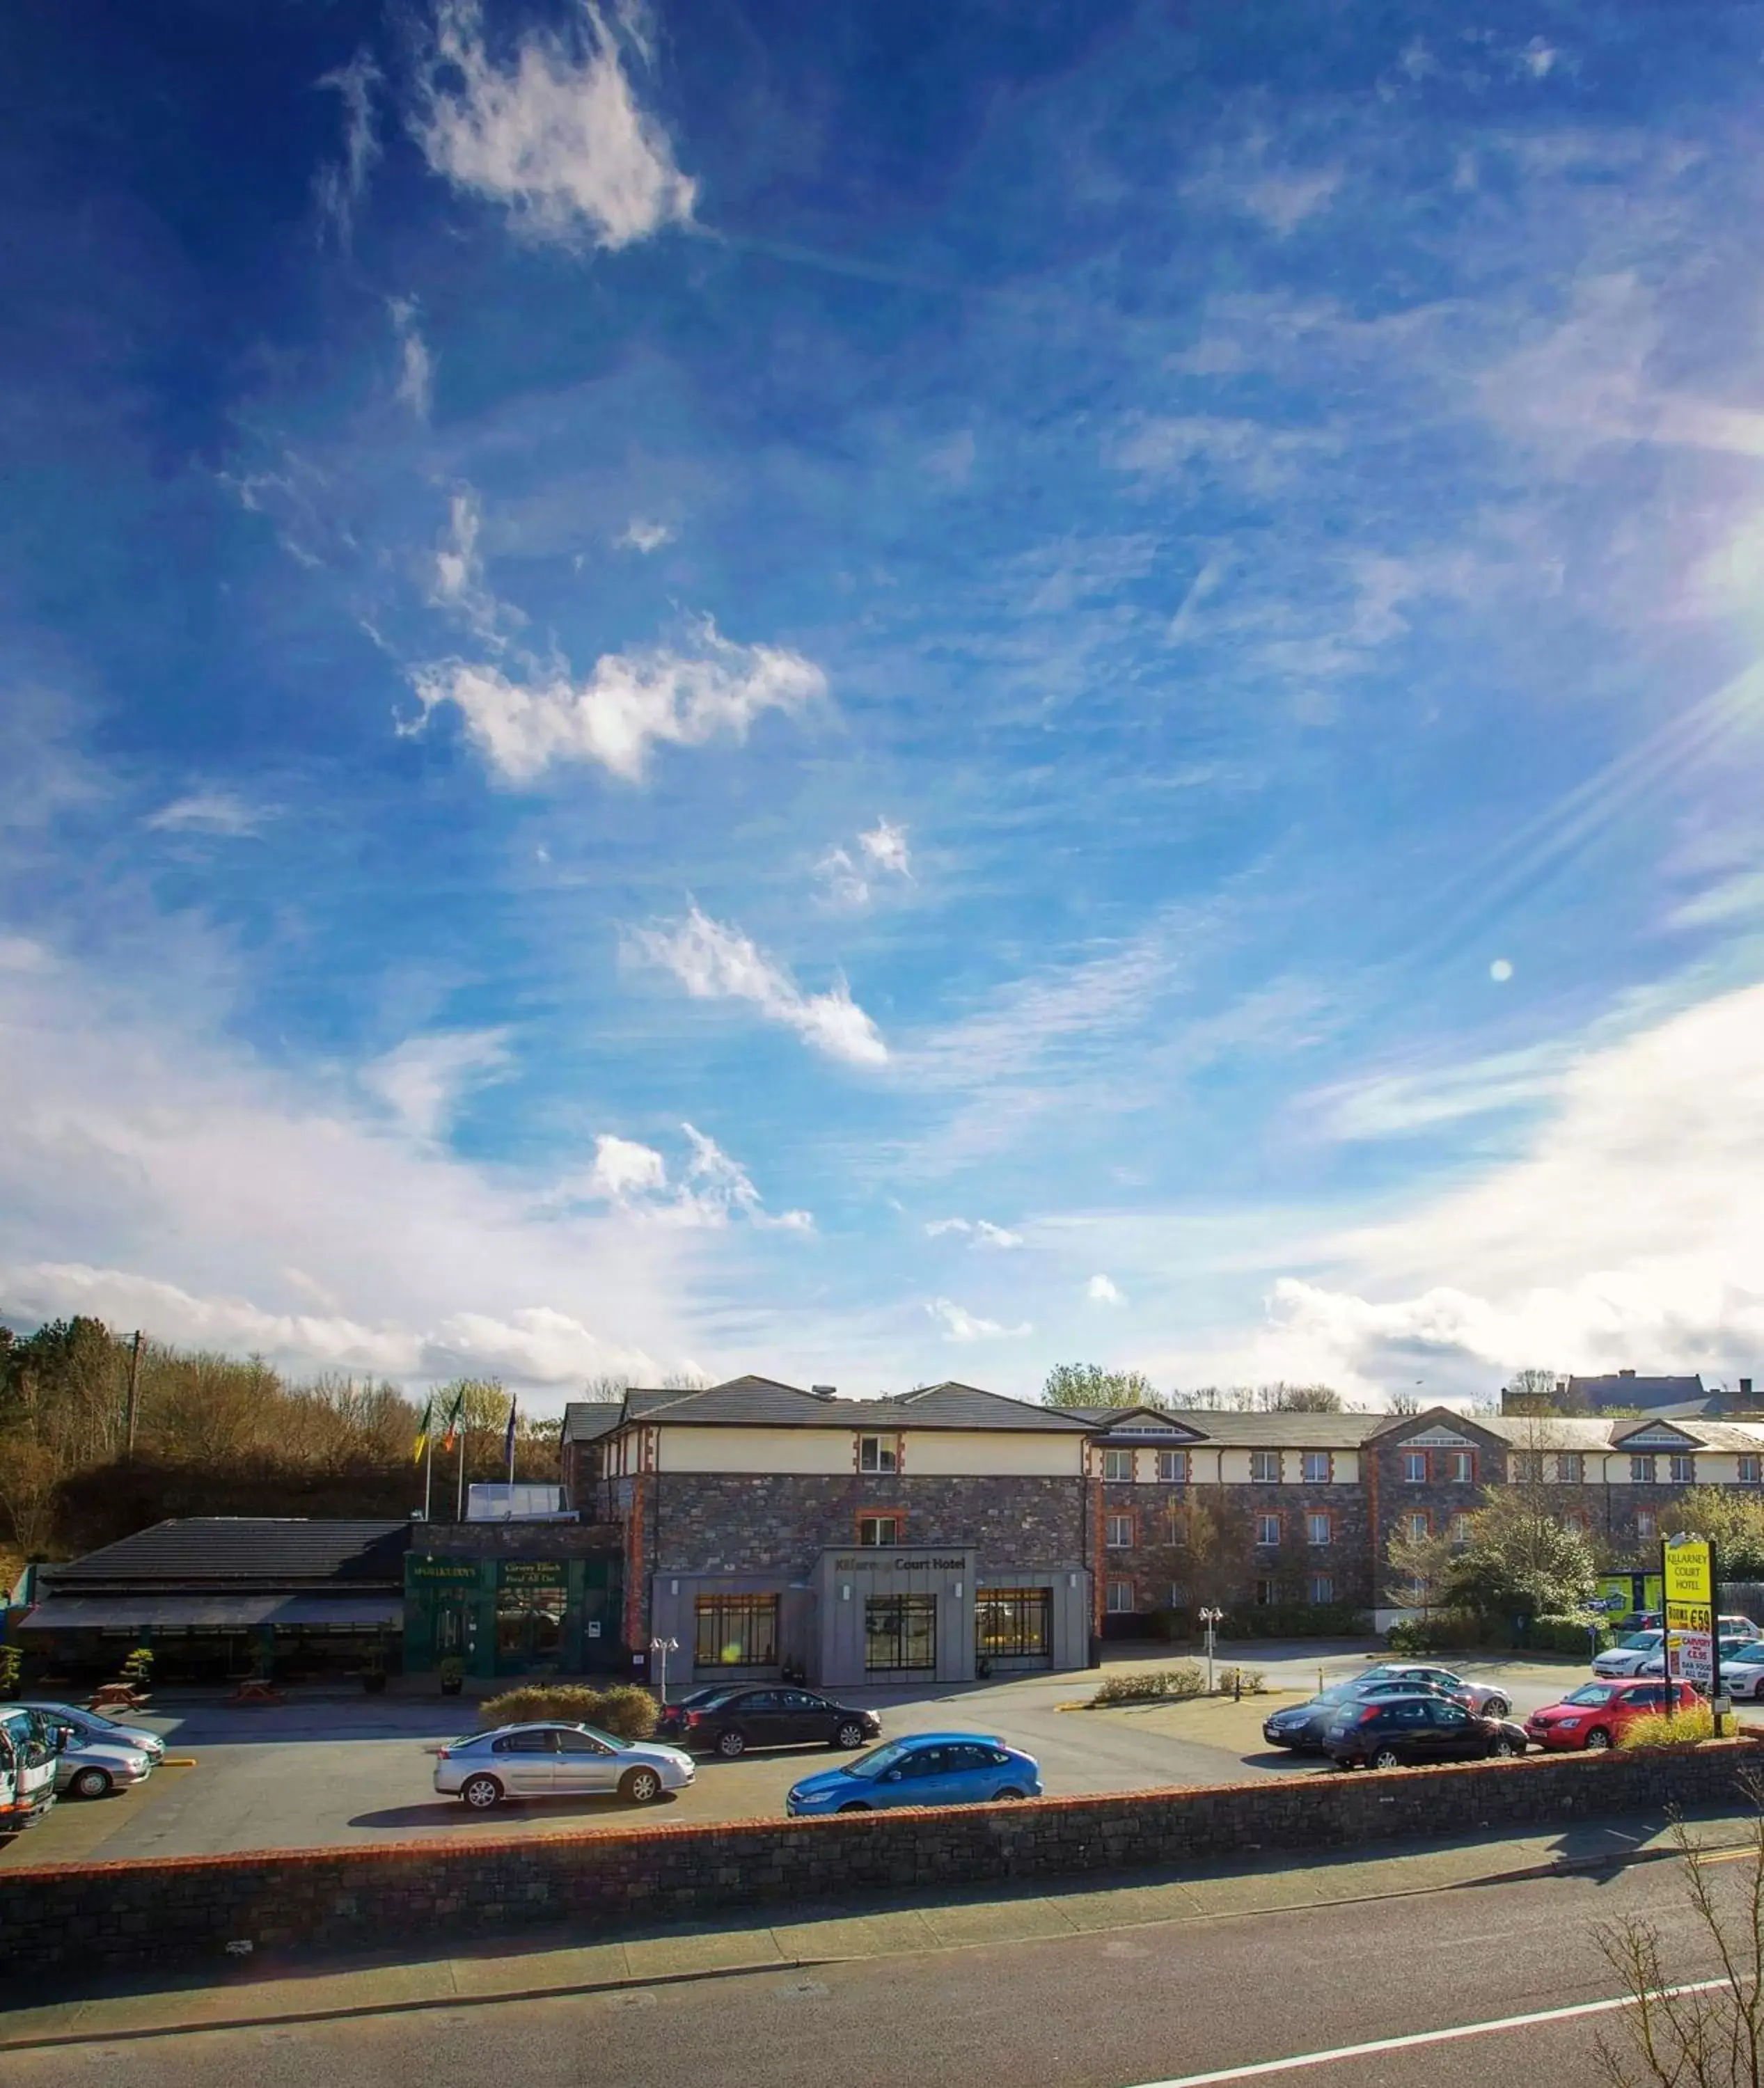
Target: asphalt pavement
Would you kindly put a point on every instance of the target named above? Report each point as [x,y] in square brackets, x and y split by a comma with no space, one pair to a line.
[1435,1988]
[317,1773]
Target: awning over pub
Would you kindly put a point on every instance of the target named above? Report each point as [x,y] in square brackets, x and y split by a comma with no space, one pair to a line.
[212,1613]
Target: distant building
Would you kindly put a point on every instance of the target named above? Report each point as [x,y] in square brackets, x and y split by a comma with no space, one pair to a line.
[1624,1391]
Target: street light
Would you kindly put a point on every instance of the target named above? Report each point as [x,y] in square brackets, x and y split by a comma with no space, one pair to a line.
[1210,1619]
[661,1648]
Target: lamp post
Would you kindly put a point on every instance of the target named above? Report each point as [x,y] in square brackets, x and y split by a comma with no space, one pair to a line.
[1210,1620]
[661,1648]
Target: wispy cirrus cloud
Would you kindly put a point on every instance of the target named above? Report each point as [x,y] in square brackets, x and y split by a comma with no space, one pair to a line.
[848,879]
[425,1079]
[220,812]
[642,536]
[716,963]
[713,1188]
[556,133]
[981,1232]
[339,186]
[959,1324]
[416,364]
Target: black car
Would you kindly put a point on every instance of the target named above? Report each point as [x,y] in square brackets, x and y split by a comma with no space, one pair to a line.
[1393,1730]
[728,1722]
[1301,1726]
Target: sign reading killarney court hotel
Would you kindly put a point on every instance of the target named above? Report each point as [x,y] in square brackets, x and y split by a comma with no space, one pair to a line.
[1687,1570]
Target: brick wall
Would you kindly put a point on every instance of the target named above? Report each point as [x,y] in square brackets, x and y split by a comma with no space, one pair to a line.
[730,1522]
[79,1920]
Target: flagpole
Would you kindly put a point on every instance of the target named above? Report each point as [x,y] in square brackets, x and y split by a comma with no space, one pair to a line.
[459,1508]
[428,1472]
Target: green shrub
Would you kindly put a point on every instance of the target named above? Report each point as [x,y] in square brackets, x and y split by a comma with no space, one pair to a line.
[1566,1635]
[1445,1631]
[1245,1681]
[625,1711]
[1670,1729]
[1149,1685]
[1299,1620]
[11,1661]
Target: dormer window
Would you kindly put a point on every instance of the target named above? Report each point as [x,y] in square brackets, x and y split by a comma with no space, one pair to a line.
[878,1453]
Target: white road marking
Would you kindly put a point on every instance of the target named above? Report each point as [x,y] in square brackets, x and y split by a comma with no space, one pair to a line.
[1263,2067]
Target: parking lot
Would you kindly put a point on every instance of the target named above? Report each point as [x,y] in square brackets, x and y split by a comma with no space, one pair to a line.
[316,1773]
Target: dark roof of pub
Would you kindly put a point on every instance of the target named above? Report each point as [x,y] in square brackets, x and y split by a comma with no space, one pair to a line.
[266,1551]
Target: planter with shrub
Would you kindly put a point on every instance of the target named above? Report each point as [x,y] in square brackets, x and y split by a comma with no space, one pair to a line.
[452,1670]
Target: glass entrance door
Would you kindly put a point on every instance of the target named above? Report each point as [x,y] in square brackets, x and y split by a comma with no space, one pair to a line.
[900,1634]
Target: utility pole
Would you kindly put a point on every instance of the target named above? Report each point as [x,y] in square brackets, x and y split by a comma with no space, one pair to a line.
[128,1409]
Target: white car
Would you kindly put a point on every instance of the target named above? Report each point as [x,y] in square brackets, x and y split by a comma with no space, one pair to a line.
[1738,1628]
[1628,1657]
[558,1761]
[1731,1649]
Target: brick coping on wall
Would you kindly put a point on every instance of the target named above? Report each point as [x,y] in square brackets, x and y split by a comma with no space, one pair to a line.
[429,1848]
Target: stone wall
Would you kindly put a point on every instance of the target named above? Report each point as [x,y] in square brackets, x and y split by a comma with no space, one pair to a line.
[730,1522]
[1156,1562]
[73,1921]
[516,1540]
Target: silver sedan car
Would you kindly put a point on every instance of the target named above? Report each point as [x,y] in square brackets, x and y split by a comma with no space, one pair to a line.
[86,1770]
[94,1729]
[558,1761]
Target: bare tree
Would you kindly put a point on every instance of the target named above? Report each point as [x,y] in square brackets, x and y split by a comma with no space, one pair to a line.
[1708,2032]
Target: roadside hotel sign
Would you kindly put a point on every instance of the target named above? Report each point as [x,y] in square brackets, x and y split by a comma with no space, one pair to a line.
[1688,1569]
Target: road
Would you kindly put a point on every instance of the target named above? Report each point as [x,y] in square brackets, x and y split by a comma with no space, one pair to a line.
[305,1775]
[1169,2004]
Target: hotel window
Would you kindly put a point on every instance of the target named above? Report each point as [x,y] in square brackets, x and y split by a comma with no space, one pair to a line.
[1118,1532]
[1641,1471]
[1570,1467]
[1419,1525]
[1647,1525]
[1459,1528]
[1121,1598]
[735,1631]
[1316,1468]
[1173,1467]
[883,1529]
[1267,1529]
[1415,1467]
[878,1453]
[1178,1524]
[1266,1592]
[1013,1623]
[1683,1470]
[1117,1464]
[1322,1587]
[900,1634]
[1264,1467]
[1316,1529]
[1178,1595]
[1460,1467]
[1527,1467]
[1749,1471]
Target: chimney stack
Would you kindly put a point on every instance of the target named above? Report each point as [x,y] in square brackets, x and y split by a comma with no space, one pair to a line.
[1625,1373]
[824,1391]
[1745,1388]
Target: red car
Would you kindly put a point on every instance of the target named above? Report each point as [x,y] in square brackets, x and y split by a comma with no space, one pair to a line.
[1595,1714]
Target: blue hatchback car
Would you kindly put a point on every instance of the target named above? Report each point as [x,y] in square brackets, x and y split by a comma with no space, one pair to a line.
[927,1768]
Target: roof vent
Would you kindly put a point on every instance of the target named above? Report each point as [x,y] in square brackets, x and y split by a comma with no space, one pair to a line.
[825,1391]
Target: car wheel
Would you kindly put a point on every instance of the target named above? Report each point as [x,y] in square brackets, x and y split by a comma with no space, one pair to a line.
[730,1744]
[857,1805]
[91,1783]
[1598,1740]
[482,1792]
[850,1734]
[1387,1758]
[640,1786]
[1010,1791]
[1505,1748]
[1496,1707]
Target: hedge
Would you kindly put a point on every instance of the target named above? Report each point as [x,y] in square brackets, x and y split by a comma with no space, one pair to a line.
[625,1711]
[1267,1620]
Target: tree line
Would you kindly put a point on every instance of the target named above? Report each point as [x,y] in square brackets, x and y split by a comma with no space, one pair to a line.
[102,1433]
[1090,1385]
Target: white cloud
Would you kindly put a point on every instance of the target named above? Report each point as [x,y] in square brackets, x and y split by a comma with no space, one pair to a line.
[1538,57]
[1284,200]
[209,812]
[1253,454]
[645,537]
[980,1231]
[721,1188]
[629,702]
[425,1079]
[557,135]
[458,584]
[884,851]
[416,365]
[959,1324]
[716,963]
[623,1168]
[339,187]
[1101,1290]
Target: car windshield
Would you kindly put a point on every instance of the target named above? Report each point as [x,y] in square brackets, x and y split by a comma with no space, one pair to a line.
[879,1759]
[1642,1641]
[1594,1693]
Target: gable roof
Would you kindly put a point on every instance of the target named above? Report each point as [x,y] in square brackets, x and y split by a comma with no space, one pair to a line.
[1614,1432]
[763,1402]
[585,1419]
[1233,1431]
[953,1405]
[264,1551]
[1621,1388]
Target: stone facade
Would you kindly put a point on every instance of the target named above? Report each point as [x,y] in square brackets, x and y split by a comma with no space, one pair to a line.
[84,1921]
[1173,1564]
[726,1522]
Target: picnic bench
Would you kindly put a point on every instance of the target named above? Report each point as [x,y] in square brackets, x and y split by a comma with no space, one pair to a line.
[256,1691]
[118,1696]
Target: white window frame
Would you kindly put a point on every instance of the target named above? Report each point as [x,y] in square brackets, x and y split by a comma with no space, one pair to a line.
[889,1516]
[1412,1477]
[1117,1465]
[1117,1585]
[1457,1529]
[1258,1473]
[878,1453]
[1749,1469]
[1420,1524]
[1647,1525]
[1688,1476]
[1454,1460]
[1317,1467]
[1642,1468]
[1121,1520]
[1173,1467]
[1571,1468]
[1265,1521]
[1322,1587]
[1315,1518]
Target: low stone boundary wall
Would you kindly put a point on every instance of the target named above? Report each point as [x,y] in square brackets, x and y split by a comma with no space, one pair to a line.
[68,1918]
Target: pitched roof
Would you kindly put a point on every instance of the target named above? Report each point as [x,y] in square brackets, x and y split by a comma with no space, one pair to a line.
[1621,1388]
[1613,1432]
[1232,1430]
[762,1402]
[584,1419]
[953,1405]
[265,1550]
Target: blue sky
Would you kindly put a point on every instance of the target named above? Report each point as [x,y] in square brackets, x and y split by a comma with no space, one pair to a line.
[884,693]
